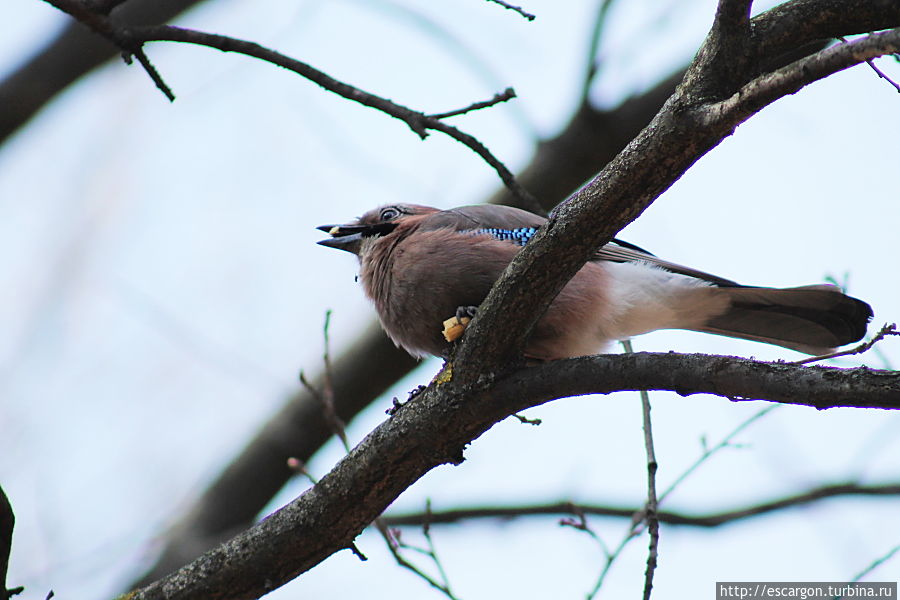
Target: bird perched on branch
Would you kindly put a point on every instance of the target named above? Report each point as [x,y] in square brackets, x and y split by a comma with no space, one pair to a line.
[422,266]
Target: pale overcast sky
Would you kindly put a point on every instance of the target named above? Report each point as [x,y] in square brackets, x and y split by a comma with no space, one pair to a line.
[163,288]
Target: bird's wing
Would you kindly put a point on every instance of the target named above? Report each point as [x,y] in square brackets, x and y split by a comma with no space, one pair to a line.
[618,251]
[518,227]
[484,216]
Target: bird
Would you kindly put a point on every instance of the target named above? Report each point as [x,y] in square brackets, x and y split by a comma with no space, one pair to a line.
[422,266]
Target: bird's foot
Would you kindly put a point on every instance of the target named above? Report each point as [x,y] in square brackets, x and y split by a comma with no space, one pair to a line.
[456,325]
[463,312]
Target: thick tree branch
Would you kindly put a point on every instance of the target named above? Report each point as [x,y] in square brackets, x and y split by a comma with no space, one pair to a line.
[686,374]
[792,25]
[726,54]
[434,428]
[711,520]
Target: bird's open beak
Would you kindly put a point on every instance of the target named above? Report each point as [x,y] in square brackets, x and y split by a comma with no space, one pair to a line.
[343,237]
[350,237]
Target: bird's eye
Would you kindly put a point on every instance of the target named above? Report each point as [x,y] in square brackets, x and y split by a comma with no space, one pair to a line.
[389,214]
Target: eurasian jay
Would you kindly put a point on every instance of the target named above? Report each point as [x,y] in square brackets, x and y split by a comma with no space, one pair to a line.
[420,265]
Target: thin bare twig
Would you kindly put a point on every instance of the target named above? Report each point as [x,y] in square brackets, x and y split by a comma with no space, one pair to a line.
[517,9]
[581,511]
[331,415]
[395,544]
[337,426]
[881,74]
[527,201]
[299,467]
[334,422]
[640,516]
[886,330]
[876,563]
[507,94]
[652,508]
[593,63]
[95,16]
[709,451]
[580,523]
[157,79]
[526,421]
[648,514]
[132,39]
[878,71]
[417,121]
[634,530]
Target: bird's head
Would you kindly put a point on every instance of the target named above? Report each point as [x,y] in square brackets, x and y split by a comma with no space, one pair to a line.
[377,223]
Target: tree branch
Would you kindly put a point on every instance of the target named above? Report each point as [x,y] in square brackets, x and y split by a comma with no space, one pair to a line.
[132,39]
[764,90]
[711,520]
[504,96]
[593,63]
[526,15]
[726,53]
[792,25]
[886,330]
[434,428]
[687,374]
[417,121]
[74,52]
[7,523]
[100,23]
[683,131]
[651,512]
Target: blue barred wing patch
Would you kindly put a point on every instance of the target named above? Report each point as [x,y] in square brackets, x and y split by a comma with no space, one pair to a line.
[520,236]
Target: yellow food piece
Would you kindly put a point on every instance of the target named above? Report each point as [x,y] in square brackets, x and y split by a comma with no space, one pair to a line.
[454,327]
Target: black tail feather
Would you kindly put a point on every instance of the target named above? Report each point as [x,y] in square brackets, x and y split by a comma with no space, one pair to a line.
[813,319]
